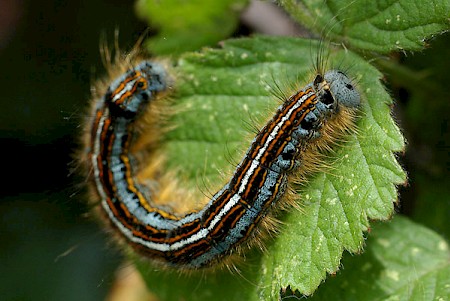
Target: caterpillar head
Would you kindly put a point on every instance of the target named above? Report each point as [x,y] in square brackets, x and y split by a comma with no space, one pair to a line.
[335,89]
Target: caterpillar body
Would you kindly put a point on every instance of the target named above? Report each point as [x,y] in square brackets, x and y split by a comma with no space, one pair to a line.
[301,126]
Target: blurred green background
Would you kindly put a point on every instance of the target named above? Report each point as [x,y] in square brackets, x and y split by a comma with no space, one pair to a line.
[50,248]
[49,53]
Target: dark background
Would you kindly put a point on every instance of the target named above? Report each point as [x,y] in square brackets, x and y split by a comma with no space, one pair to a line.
[50,248]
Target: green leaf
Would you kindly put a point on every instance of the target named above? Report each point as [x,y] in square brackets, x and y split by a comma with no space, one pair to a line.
[337,205]
[188,25]
[381,26]
[403,261]
[218,93]
[422,79]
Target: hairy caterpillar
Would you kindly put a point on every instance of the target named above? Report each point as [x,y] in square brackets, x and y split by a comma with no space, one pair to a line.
[304,124]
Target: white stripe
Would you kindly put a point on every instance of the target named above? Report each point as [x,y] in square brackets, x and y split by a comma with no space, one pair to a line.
[127,87]
[272,136]
[95,155]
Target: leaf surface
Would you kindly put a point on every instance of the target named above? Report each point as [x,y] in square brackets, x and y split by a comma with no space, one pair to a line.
[220,92]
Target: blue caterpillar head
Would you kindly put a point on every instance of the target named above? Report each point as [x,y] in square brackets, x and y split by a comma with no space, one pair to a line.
[335,89]
[342,89]
[136,88]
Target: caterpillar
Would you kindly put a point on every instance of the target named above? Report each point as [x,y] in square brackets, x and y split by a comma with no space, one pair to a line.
[303,124]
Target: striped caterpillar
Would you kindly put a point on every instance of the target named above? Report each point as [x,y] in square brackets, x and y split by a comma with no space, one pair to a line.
[303,124]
